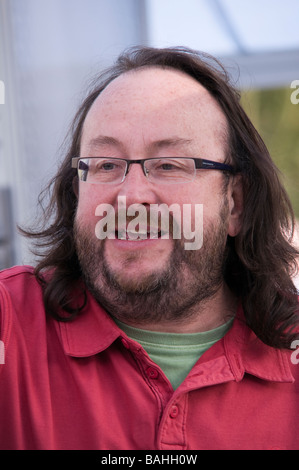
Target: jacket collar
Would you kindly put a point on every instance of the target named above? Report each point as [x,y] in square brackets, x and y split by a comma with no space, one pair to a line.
[90,333]
[93,331]
[248,354]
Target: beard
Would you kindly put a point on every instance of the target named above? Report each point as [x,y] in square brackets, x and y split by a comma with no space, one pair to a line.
[172,294]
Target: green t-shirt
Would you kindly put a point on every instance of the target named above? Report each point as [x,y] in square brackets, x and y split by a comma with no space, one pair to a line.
[175,353]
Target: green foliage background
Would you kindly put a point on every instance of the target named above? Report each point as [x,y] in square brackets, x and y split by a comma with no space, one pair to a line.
[277,120]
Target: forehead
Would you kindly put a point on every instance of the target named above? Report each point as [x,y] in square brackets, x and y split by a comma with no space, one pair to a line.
[155,102]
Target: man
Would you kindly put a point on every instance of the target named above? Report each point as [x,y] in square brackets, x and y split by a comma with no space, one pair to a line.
[124,338]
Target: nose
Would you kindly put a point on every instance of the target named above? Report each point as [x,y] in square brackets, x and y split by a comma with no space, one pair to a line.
[133,162]
[136,187]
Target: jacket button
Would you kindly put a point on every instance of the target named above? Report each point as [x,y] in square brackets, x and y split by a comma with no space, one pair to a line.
[152,373]
[174,411]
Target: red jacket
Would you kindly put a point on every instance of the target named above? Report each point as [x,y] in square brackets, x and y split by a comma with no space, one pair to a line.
[85,385]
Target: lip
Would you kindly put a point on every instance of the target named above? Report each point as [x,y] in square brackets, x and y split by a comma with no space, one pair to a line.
[139,244]
[144,233]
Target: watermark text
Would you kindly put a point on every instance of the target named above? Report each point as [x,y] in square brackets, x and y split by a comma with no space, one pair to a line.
[150,459]
[136,222]
[295,354]
[295,93]
[2,353]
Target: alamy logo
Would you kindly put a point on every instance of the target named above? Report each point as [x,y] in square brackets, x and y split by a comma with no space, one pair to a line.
[295,354]
[136,222]
[2,92]
[295,94]
[2,353]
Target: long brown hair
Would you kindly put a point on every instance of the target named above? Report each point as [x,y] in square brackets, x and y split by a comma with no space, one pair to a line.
[261,260]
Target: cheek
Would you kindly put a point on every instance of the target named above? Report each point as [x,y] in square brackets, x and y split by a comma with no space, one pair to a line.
[90,196]
[85,209]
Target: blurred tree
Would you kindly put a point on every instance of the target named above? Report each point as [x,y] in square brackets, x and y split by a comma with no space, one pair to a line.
[277,120]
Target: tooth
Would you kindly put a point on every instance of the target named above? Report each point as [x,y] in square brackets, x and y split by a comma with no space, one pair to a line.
[137,235]
[121,234]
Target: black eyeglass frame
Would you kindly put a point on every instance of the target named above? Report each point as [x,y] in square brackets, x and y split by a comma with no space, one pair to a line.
[200,164]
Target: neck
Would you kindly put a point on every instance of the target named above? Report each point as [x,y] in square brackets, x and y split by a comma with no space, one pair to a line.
[204,316]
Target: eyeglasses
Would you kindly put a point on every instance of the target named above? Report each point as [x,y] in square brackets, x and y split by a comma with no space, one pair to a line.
[103,170]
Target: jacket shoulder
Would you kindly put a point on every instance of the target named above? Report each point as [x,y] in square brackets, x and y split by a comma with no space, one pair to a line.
[16,271]
[20,297]
[19,287]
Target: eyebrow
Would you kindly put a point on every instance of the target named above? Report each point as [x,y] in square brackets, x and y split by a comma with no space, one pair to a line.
[103,140]
[172,142]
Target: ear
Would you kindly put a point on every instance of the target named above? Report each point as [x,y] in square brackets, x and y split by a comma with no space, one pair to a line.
[235,195]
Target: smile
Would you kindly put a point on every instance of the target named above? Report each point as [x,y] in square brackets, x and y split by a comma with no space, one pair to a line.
[140,234]
[155,223]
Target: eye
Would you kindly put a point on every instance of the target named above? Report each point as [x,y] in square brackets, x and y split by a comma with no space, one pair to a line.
[103,166]
[107,166]
[167,165]
[171,169]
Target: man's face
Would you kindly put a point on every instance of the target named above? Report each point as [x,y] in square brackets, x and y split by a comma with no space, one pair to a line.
[145,114]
